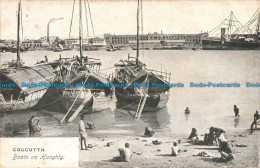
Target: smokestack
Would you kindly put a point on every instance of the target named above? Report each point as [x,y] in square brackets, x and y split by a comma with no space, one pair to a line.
[222,37]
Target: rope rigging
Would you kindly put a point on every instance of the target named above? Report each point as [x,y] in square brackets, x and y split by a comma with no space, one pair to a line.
[234,27]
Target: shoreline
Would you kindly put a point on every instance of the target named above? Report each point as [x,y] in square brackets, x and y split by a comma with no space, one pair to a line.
[148,155]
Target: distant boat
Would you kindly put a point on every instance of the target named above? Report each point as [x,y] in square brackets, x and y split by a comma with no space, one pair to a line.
[112,48]
[91,48]
[14,96]
[14,49]
[57,50]
[142,48]
[168,48]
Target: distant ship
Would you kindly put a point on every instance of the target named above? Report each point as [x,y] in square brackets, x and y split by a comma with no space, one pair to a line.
[168,48]
[242,38]
[233,44]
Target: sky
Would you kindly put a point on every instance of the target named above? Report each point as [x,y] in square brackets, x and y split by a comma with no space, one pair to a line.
[119,16]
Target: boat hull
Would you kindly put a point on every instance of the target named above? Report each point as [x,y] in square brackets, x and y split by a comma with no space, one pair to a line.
[101,103]
[16,105]
[229,45]
[55,100]
[19,97]
[131,102]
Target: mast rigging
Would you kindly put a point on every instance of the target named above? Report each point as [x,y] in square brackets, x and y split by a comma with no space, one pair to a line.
[18,35]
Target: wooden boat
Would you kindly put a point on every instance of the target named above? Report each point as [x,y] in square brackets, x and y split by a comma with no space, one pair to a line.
[13,96]
[73,71]
[112,48]
[57,50]
[17,97]
[14,50]
[132,72]
[168,48]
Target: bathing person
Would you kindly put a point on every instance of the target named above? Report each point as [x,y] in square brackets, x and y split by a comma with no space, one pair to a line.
[256,117]
[187,110]
[82,133]
[125,153]
[236,111]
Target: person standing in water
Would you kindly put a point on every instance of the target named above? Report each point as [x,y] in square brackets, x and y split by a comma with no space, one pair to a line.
[256,117]
[236,111]
[187,110]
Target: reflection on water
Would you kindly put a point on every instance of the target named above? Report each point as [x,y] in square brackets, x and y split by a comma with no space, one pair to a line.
[187,117]
[236,122]
[209,106]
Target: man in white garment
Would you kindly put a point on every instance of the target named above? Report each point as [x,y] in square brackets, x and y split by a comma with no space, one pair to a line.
[82,133]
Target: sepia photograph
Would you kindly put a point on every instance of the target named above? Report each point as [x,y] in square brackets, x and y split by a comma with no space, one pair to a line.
[129,83]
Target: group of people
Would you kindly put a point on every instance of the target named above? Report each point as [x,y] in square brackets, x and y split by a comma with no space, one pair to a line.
[215,136]
[255,121]
[124,153]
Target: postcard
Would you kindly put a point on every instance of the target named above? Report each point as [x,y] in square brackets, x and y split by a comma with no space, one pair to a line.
[129,83]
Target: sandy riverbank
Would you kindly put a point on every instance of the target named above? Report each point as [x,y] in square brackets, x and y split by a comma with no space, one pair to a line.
[149,155]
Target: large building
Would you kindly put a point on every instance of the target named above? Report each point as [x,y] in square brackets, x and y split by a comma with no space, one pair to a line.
[95,42]
[158,38]
[36,44]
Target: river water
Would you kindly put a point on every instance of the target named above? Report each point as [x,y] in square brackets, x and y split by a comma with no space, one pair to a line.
[208,106]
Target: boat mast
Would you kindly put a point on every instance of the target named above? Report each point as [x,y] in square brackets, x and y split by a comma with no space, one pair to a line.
[18,35]
[257,26]
[230,26]
[80,34]
[137,38]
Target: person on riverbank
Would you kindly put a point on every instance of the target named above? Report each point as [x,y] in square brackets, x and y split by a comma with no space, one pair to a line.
[175,149]
[209,138]
[226,151]
[31,124]
[46,59]
[82,132]
[256,118]
[193,135]
[148,132]
[125,153]
[219,135]
[236,111]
